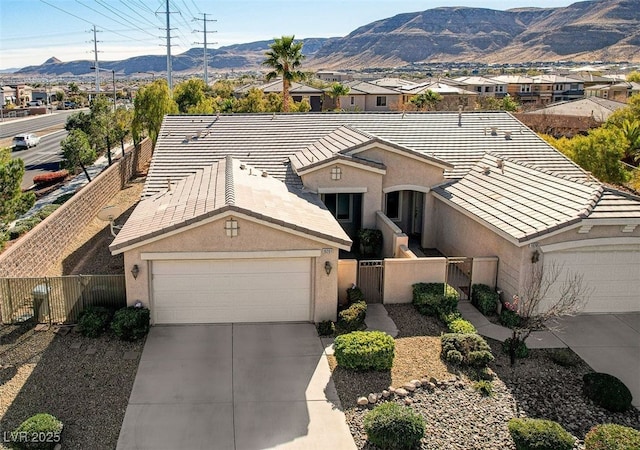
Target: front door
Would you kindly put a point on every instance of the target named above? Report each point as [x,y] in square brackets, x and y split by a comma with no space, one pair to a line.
[417,211]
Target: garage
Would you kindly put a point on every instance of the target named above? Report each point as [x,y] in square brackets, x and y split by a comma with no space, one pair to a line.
[611,272]
[231,290]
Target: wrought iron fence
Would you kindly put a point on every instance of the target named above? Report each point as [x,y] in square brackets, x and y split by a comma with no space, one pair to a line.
[58,299]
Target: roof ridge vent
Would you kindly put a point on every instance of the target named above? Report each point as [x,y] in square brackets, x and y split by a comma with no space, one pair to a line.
[507,135]
[229,189]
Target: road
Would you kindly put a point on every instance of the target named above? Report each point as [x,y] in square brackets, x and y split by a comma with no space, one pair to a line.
[45,157]
[11,127]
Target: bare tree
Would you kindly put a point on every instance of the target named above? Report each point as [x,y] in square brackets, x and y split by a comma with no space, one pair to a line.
[545,297]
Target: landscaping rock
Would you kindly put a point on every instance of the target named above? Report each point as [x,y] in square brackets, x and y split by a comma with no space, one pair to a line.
[363,401]
[386,393]
[409,387]
[372,398]
[400,392]
[416,383]
[408,401]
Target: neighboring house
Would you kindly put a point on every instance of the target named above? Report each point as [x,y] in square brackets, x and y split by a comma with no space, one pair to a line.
[563,88]
[394,83]
[243,217]
[452,96]
[619,92]
[330,76]
[526,90]
[484,87]
[365,96]
[7,96]
[297,91]
[23,94]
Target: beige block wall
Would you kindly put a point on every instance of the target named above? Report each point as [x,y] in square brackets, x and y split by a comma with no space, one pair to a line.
[401,273]
[392,236]
[347,277]
[352,177]
[459,235]
[484,270]
[33,254]
[251,237]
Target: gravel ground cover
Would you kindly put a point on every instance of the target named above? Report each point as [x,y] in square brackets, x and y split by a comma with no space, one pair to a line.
[458,416]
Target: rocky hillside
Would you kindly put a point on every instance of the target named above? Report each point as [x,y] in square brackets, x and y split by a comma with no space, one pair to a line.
[607,30]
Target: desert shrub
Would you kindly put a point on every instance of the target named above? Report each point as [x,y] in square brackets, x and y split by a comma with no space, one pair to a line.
[448,318]
[484,298]
[522,351]
[392,426]
[564,357]
[539,434]
[611,436]
[466,349]
[46,211]
[51,177]
[93,321]
[4,237]
[28,434]
[131,323]
[461,326]
[485,387]
[435,299]
[352,318]
[365,350]
[607,391]
[23,226]
[63,198]
[354,294]
[509,319]
[325,328]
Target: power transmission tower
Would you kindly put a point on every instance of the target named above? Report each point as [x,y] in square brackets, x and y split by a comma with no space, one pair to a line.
[206,65]
[168,29]
[95,58]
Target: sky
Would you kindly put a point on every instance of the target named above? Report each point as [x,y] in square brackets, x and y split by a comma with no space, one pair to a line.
[32,31]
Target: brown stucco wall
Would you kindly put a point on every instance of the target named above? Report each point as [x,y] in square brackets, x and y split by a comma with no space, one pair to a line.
[401,273]
[252,237]
[33,254]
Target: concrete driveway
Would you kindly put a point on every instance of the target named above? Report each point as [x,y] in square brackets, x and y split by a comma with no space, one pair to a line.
[240,386]
[609,343]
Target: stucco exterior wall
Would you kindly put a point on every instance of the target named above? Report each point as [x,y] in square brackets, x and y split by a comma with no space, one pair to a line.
[352,177]
[392,236]
[359,103]
[403,170]
[347,277]
[393,102]
[401,273]
[252,237]
[484,270]
[598,231]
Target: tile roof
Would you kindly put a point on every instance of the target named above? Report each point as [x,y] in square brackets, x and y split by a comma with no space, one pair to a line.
[598,108]
[265,141]
[438,87]
[229,185]
[615,204]
[362,87]
[295,88]
[478,81]
[520,200]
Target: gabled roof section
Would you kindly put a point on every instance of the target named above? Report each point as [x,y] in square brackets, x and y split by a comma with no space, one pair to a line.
[598,108]
[229,186]
[615,205]
[438,87]
[363,88]
[520,201]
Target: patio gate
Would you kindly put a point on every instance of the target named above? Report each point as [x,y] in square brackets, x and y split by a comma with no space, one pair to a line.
[459,275]
[371,279]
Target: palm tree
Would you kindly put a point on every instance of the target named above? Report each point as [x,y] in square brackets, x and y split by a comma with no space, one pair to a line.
[337,91]
[631,131]
[285,59]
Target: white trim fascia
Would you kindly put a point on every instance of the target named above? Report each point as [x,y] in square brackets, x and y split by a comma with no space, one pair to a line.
[418,157]
[222,216]
[342,190]
[158,256]
[560,246]
[613,222]
[406,187]
[542,237]
[346,162]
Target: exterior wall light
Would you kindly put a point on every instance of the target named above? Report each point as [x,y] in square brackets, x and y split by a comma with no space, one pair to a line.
[231,227]
[328,267]
[135,270]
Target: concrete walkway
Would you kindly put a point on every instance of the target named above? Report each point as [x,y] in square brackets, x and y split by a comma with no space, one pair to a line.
[236,387]
[378,319]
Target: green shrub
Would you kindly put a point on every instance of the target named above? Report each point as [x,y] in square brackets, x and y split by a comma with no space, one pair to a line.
[131,323]
[352,318]
[370,241]
[435,299]
[23,226]
[522,351]
[485,299]
[63,198]
[4,237]
[461,326]
[46,211]
[538,434]
[354,294]
[94,320]
[564,357]
[612,437]
[607,391]
[392,426]
[485,387]
[325,328]
[31,433]
[510,319]
[466,350]
[448,318]
[365,350]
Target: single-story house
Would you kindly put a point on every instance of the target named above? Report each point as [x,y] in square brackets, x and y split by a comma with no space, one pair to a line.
[244,217]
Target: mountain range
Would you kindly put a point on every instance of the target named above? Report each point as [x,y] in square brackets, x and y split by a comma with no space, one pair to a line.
[606,30]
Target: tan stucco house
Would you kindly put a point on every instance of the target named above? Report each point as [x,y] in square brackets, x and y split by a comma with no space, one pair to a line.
[244,217]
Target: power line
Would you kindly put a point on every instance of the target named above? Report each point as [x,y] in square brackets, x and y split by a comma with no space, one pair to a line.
[126,4]
[206,64]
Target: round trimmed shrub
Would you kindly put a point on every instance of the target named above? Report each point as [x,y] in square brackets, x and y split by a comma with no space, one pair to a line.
[365,350]
[325,328]
[607,391]
[509,319]
[32,432]
[94,320]
[131,323]
[468,349]
[391,426]
[522,351]
[461,326]
[611,436]
[539,434]
[352,318]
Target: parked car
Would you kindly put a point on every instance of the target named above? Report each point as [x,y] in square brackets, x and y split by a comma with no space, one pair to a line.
[26,140]
[35,103]
[67,105]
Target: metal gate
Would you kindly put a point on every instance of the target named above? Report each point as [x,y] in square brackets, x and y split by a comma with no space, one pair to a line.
[459,275]
[371,279]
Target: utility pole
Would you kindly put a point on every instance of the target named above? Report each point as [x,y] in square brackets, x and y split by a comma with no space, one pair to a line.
[95,58]
[206,65]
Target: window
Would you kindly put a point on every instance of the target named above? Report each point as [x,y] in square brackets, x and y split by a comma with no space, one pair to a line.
[336,173]
[340,205]
[381,101]
[479,88]
[393,205]
[353,100]
[525,88]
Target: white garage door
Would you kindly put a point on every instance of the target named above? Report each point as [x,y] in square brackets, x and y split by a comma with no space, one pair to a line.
[612,274]
[238,290]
